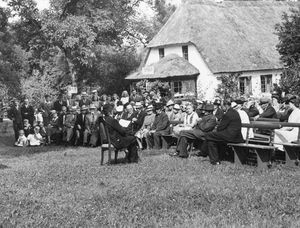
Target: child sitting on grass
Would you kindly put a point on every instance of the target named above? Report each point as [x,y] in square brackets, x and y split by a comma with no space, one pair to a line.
[36,138]
[27,127]
[22,140]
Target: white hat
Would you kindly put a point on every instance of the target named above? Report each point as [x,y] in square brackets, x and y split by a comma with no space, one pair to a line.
[233,104]
[120,108]
[83,93]
[169,103]
[138,104]
[92,106]
[94,91]
[176,106]
[149,107]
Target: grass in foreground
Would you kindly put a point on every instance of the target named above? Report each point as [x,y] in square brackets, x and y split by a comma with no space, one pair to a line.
[69,188]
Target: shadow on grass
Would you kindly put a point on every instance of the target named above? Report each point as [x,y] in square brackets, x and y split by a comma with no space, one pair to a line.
[3,166]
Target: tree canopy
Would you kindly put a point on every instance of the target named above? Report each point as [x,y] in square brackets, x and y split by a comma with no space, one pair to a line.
[87,42]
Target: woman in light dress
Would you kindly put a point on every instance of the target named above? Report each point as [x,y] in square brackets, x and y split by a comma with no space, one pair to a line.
[289,134]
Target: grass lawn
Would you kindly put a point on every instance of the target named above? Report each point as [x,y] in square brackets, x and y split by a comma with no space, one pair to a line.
[67,187]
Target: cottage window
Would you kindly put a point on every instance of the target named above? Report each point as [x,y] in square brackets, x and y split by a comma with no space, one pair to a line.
[245,85]
[266,83]
[185,52]
[161,52]
[177,87]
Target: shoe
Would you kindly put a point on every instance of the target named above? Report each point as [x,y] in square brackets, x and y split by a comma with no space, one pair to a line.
[175,154]
[184,156]
[216,163]
[201,154]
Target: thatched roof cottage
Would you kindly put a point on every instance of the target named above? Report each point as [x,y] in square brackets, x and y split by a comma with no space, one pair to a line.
[223,38]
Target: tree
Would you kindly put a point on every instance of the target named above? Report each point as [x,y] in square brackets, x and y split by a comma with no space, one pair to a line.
[229,86]
[288,32]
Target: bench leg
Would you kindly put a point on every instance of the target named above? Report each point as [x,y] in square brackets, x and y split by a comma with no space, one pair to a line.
[263,158]
[291,156]
[116,156]
[102,155]
[240,155]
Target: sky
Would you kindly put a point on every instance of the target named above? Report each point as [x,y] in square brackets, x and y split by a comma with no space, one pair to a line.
[42,4]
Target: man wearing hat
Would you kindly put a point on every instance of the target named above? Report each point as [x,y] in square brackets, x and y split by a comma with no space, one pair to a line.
[176,114]
[147,123]
[237,105]
[80,125]
[138,120]
[218,112]
[161,126]
[69,125]
[229,130]
[54,130]
[84,100]
[169,108]
[205,125]
[268,110]
[118,135]
[91,131]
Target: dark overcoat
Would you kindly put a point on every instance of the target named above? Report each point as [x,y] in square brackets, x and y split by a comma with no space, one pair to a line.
[161,123]
[28,113]
[269,113]
[117,133]
[229,129]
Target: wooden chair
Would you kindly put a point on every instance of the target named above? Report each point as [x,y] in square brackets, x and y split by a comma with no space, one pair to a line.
[105,143]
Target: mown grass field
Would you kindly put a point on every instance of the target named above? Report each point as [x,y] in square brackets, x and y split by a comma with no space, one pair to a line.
[67,187]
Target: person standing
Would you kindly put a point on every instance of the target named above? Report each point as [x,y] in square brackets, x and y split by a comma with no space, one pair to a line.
[59,103]
[15,115]
[27,111]
[46,108]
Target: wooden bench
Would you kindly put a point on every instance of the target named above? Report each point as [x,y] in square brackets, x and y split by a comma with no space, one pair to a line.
[291,149]
[262,148]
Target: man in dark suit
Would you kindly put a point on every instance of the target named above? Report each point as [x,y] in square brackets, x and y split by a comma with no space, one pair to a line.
[268,110]
[137,120]
[59,103]
[16,116]
[27,111]
[46,108]
[118,135]
[80,125]
[205,125]
[229,130]
[161,126]
[218,112]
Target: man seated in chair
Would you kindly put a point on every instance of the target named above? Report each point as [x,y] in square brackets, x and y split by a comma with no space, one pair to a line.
[205,125]
[118,135]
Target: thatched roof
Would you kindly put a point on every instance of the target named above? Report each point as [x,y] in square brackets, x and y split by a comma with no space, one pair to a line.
[169,66]
[231,36]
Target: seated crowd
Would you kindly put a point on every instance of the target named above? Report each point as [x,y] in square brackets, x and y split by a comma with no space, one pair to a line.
[142,120]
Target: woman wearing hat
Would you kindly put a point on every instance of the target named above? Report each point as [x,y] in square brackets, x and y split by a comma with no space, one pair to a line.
[289,134]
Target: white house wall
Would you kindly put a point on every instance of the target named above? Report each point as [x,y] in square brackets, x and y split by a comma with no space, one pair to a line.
[256,80]
[206,82]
